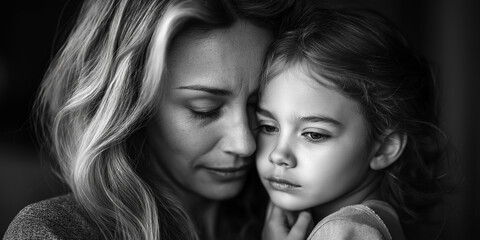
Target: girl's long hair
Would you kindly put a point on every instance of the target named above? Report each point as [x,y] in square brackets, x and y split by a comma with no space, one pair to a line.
[101,89]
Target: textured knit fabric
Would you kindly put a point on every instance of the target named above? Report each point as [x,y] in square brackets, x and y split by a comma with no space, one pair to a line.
[56,218]
[362,221]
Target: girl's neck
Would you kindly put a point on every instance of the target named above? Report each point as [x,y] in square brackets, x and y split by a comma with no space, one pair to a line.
[367,191]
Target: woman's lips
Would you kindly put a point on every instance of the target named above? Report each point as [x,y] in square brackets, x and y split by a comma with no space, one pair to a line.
[228,173]
[281,184]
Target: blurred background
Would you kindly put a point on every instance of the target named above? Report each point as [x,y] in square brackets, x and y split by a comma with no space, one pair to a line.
[445,31]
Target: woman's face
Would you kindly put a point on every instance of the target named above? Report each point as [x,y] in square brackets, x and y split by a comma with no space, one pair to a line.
[202,135]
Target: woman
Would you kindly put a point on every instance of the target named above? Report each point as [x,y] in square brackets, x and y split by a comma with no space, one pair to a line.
[146,109]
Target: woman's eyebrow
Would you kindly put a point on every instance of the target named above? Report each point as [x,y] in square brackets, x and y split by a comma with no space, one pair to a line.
[211,90]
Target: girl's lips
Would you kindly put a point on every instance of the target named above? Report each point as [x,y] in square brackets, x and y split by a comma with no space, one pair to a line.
[281,184]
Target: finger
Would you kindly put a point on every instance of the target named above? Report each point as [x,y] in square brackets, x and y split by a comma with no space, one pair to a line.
[302,226]
[290,217]
[277,215]
[269,211]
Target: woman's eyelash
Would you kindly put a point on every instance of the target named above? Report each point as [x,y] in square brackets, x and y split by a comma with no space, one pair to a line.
[212,114]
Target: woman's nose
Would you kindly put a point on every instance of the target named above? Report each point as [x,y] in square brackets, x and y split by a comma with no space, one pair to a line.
[282,156]
[239,140]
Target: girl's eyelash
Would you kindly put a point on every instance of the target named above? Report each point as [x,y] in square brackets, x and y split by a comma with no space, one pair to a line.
[267,129]
[317,139]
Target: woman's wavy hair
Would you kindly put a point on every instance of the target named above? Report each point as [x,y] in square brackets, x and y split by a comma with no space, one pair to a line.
[368,60]
[100,91]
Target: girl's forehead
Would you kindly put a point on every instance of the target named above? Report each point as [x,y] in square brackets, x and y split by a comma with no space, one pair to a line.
[302,71]
[321,88]
[295,95]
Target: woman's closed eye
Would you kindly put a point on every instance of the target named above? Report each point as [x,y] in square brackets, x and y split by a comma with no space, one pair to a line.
[209,109]
[206,113]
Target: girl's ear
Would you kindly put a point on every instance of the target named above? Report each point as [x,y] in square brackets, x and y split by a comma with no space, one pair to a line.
[389,150]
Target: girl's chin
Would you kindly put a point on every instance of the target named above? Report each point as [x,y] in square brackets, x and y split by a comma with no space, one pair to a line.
[288,204]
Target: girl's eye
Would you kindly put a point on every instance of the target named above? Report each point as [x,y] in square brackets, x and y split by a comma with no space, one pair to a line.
[268,129]
[315,137]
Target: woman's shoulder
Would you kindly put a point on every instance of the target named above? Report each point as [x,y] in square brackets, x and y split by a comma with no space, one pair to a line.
[55,218]
[352,222]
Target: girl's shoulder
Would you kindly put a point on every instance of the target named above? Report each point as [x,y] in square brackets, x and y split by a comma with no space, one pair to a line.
[369,220]
[55,218]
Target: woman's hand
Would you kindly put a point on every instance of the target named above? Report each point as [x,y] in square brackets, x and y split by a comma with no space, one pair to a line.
[285,225]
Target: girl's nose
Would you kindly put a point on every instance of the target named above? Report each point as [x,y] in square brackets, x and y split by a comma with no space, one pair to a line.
[283,157]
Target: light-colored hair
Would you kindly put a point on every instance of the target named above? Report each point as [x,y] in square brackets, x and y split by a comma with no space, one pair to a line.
[101,89]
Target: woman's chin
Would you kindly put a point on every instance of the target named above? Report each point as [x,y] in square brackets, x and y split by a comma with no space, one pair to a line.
[222,191]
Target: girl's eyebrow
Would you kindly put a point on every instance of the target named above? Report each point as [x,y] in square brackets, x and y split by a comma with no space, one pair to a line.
[211,90]
[311,118]
[264,112]
[320,118]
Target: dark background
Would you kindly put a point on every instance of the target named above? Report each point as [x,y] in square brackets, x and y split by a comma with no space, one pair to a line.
[445,31]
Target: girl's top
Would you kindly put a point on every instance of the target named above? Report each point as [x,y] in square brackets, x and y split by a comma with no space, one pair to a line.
[55,218]
[372,219]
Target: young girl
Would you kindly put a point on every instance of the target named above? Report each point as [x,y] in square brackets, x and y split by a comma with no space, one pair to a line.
[347,129]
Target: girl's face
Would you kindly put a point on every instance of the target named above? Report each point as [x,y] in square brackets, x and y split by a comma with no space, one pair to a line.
[312,149]
[202,135]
